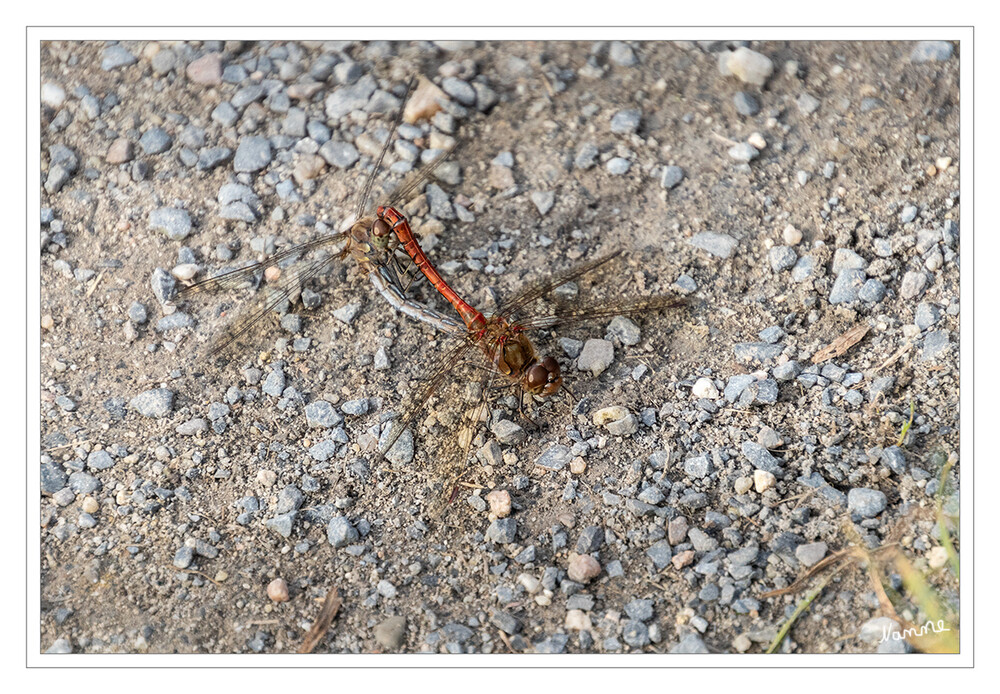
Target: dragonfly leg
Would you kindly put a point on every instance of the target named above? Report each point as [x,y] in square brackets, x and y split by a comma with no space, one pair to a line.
[521,410]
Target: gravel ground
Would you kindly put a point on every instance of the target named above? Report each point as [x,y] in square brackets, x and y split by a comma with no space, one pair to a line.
[793,191]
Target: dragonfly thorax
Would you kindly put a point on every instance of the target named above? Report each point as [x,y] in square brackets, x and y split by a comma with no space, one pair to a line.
[515,357]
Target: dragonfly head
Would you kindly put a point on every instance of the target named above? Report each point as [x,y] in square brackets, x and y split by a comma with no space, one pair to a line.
[381,228]
[543,377]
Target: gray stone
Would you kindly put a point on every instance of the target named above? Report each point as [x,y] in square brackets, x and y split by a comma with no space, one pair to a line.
[640,610]
[715,243]
[747,65]
[756,351]
[586,156]
[626,121]
[621,54]
[804,269]
[281,524]
[155,141]
[743,152]
[787,371]
[252,154]
[289,499]
[698,467]
[635,633]
[811,553]
[807,103]
[781,258]
[625,330]
[846,259]
[597,355]
[618,166]
[117,56]
[544,200]
[894,459]
[340,532]
[865,503]
[183,557]
[736,385]
[846,286]
[761,458]
[274,384]
[502,531]
[931,51]
[343,155]
[154,403]
[590,539]
[555,457]
[553,644]
[936,343]
[872,291]
[926,315]
[661,554]
[460,90]
[53,477]
[672,175]
[175,223]
[508,432]
[690,643]
[349,98]
[322,414]
[746,104]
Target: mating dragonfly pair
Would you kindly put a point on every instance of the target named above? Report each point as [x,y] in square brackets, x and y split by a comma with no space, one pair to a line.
[377,243]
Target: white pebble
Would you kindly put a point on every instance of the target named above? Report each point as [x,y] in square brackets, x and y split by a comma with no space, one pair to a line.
[791,235]
[53,95]
[757,140]
[762,480]
[704,388]
[530,583]
[184,271]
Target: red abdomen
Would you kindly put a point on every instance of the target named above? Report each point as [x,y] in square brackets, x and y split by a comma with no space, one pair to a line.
[473,319]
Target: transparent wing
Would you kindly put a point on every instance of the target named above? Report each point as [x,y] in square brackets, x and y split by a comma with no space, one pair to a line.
[235,279]
[539,289]
[416,178]
[362,204]
[570,314]
[243,331]
[457,392]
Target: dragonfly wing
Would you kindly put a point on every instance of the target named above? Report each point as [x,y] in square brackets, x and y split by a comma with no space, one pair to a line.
[243,330]
[539,289]
[457,392]
[570,314]
[366,192]
[415,179]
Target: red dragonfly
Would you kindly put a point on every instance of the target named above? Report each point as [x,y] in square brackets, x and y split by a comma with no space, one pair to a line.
[502,338]
[368,240]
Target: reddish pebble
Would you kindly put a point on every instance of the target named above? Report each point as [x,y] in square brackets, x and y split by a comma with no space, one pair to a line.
[120,151]
[308,167]
[499,502]
[682,559]
[277,590]
[206,69]
[303,91]
[582,568]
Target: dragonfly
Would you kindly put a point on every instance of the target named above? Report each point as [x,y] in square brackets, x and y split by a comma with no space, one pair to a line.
[367,240]
[511,358]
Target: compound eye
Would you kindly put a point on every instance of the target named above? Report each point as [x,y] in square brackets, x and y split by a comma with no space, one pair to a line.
[537,377]
[552,366]
[381,228]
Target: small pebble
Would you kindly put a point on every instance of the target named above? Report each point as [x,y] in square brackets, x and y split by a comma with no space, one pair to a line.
[277,590]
